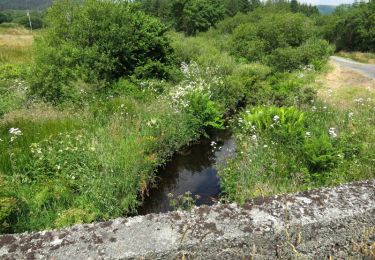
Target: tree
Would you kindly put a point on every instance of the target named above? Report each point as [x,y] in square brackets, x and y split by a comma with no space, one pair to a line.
[4,18]
[294,6]
[194,16]
[96,42]
[354,29]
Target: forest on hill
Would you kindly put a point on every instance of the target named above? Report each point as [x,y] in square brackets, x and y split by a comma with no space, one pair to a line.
[24,4]
[326,9]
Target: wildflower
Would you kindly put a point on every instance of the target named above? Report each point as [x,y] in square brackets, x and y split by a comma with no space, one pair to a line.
[332,132]
[265,146]
[313,108]
[254,138]
[350,115]
[15,131]
[308,134]
[151,122]
[276,118]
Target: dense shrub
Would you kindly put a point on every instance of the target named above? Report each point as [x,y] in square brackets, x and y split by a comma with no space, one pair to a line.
[197,15]
[96,42]
[354,27]
[4,18]
[310,52]
[282,40]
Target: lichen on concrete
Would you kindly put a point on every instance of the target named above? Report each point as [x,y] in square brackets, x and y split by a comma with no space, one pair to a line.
[314,224]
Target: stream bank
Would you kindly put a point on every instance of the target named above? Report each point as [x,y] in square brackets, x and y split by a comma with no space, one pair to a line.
[191,170]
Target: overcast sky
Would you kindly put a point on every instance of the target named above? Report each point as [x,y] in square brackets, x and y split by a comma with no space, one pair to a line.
[327,2]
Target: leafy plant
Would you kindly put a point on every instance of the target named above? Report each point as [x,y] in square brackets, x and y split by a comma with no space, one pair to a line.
[96,42]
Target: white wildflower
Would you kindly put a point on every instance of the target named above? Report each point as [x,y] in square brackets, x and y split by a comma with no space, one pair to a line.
[276,119]
[308,134]
[332,132]
[15,131]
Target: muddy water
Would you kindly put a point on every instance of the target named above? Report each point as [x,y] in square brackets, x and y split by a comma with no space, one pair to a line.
[194,170]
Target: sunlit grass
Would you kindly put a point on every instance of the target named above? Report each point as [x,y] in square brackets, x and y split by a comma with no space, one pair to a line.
[15,45]
[364,57]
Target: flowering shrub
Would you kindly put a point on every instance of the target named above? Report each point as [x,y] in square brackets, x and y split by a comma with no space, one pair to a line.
[194,95]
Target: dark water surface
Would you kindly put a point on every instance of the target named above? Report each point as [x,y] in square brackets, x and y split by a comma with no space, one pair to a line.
[193,169]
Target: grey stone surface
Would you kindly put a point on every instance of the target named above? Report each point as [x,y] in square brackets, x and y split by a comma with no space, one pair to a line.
[337,222]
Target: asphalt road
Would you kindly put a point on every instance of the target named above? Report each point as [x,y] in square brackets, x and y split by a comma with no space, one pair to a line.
[367,70]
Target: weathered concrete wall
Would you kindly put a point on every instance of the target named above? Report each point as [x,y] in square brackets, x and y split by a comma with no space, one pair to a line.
[335,222]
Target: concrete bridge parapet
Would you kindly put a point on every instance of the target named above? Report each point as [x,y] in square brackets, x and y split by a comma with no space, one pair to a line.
[333,222]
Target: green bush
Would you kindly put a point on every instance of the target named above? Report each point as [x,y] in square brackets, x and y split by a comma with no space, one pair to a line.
[4,18]
[247,81]
[246,43]
[354,27]
[101,42]
[313,51]
[194,16]
[320,153]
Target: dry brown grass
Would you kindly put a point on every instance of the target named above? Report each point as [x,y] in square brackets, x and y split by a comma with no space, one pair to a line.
[15,45]
[37,112]
[342,86]
[359,56]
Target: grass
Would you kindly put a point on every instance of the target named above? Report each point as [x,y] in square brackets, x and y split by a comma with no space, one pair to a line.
[359,56]
[96,161]
[334,145]
[15,45]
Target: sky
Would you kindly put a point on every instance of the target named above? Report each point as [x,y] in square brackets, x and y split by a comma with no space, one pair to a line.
[327,2]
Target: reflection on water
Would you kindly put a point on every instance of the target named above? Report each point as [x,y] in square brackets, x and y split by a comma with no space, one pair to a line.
[191,170]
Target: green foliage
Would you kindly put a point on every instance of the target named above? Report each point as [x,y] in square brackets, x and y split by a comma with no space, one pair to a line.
[194,16]
[36,22]
[311,52]
[320,153]
[197,15]
[283,124]
[310,148]
[205,111]
[353,27]
[99,44]
[4,18]
[282,40]
[23,5]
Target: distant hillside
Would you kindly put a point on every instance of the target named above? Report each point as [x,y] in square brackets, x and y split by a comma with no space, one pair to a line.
[326,9]
[24,4]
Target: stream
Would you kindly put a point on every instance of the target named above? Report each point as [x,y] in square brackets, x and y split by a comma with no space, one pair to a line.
[191,170]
